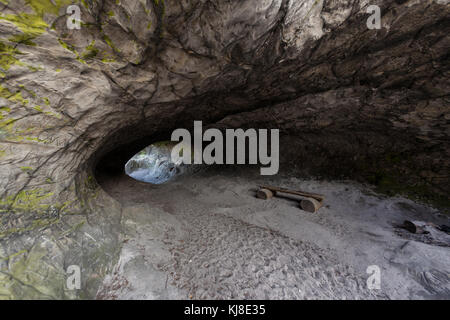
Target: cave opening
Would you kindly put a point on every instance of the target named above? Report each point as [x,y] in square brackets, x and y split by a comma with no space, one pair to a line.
[154,164]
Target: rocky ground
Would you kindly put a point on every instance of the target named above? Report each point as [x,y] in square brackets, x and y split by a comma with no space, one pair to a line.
[207,237]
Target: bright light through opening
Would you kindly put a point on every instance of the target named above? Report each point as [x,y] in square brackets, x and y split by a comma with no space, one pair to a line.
[154,165]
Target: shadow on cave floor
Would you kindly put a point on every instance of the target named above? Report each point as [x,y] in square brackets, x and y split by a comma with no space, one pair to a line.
[206,236]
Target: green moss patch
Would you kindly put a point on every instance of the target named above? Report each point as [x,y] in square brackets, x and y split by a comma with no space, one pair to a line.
[26,200]
[8,58]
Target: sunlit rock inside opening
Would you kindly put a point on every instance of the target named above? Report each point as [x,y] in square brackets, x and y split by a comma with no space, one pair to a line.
[154,164]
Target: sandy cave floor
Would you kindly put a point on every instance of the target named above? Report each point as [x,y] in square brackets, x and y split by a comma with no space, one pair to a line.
[206,236]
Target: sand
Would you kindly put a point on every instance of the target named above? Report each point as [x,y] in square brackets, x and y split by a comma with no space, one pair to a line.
[206,236]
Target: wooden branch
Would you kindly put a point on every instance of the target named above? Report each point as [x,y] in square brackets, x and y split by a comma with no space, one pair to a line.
[315,196]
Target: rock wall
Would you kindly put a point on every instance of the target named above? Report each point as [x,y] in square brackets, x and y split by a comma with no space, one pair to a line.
[369,104]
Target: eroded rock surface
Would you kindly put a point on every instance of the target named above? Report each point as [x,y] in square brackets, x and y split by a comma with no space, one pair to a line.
[372,104]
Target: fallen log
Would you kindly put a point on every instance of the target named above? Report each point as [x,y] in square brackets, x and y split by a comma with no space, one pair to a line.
[264,194]
[311,205]
[311,202]
[318,197]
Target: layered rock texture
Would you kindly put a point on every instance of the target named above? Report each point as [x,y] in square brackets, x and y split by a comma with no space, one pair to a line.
[351,102]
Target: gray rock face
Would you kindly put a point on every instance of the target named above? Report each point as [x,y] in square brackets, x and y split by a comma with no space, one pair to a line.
[372,104]
[154,165]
